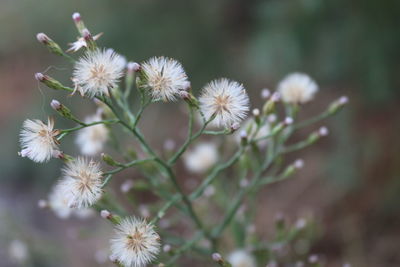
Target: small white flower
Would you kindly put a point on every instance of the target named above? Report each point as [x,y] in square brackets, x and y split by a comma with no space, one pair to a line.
[38,140]
[91,139]
[201,158]
[97,72]
[241,258]
[81,183]
[226,99]
[80,43]
[135,243]
[164,78]
[297,88]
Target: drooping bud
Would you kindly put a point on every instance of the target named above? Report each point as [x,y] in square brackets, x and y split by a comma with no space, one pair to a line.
[50,44]
[50,82]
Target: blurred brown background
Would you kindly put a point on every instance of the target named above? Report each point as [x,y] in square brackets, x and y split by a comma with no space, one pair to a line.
[351,47]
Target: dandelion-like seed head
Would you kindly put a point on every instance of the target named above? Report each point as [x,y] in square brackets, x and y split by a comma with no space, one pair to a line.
[226,100]
[38,140]
[241,258]
[81,183]
[297,88]
[136,243]
[98,71]
[164,78]
[91,139]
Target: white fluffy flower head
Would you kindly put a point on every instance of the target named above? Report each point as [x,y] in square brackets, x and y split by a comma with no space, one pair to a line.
[38,140]
[226,99]
[81,183]
[297,88]
[164,78]
[201,158]
[91,139]
[241,258]
[135,243]
[97,72]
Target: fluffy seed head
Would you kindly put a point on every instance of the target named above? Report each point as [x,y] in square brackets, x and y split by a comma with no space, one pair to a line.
[297,88]
[135,243]
[98,71]
[241,258]
[91,139]
[81,183]
[225,99]
[38,140]
[164,78]
[201,158]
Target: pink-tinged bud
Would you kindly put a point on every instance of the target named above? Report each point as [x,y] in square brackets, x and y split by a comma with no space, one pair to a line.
[126,186]
[313,258]
[184,94]
[217,257]
[42,204]
[86,34]
[301,223]
[55,104]
[57,154]
[343,100]
[243,134]
[244,183]
[323,131]
[105,214]
[42,38]
[275,97]
[40,77]
[169,145]
[167,248]
[265,93]
[235,126]
[256,112]
[133,67]
[24,153]
[113,258]
[298,164]
[288,121]
[76,17]
[272,118]
[186,86]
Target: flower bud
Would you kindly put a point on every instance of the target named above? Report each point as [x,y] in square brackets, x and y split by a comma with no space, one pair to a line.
[109,160]
[272,118]
[169,145]
[42,38]
[288,121]
[91,45]
[55,104]
[184,94]
[76,17]
[301,223]
[256,112]
[337,105]
[313,258]
[42,204]
[126,186]
[105,214]
[187,86]
[50,82]
[265,93]
[323,131]
[298,164]
[235,126]
[40,77]
[133,67]
[50,44]
[217,257]
[57,154]
[167,248]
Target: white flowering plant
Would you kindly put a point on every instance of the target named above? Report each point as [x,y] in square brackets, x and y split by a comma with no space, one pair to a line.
[253,155]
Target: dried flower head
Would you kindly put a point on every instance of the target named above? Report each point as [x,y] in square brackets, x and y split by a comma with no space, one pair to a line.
[297,88]
[97,72]
[81,183]
[201,158]
[91,139]
[135,243]
[225,99]
[164,78]
[38,140]
[241,258]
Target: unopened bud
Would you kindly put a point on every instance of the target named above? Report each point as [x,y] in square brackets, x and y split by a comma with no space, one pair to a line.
[40,77]
[187,86]
[217,257]
[105,214]
[299,164]
[301,223]
[343,100]
[235,126]
[184,94]
[288,121]
[109,160]
[323,131]
[86,34]
[167,248]
[133,66]
[126,186]
[313,258]
[169,145]
[23,153]
[256,112]
[244,183]
[55,104]
[113,258]
[42,38]
[275,97]
[338,104]
[57,154]
[272,118]
[76,17]
[42,204]
[265,93]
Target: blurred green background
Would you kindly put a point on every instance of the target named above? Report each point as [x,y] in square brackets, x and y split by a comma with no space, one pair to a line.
[351,47]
